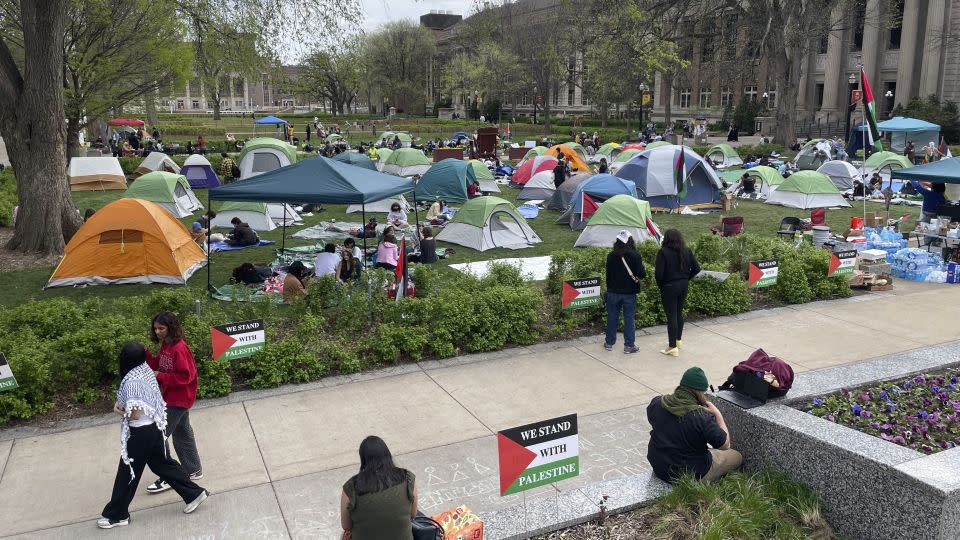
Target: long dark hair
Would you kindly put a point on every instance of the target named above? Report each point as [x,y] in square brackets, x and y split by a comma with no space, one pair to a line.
[132,354]
[620,248]
[174,329]
[377,471]
[673,241]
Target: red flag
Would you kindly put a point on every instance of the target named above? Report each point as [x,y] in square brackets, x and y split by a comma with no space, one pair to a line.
[589,206]
[398,271]
[653,230]
[943,149]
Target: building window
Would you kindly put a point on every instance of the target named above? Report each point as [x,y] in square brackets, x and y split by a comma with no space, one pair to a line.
[818,95]
[893,41]
[195,104]
[238,86]
[238,103]
[730,35]
[707,47]
[859,18]
[750,92]
[583,99]
[771,101]
[179,104]
[891,88]
[685,98]
[822,44]
[726,97]
[571,94]
[705,94]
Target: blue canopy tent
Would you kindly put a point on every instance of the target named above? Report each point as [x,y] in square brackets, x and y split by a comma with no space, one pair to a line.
[599,187]
[855,139]
[902,129]
[268,121]
[944,171]
[356,158]
[316,180]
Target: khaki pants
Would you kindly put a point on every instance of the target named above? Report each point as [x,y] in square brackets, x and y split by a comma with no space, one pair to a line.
[724,461]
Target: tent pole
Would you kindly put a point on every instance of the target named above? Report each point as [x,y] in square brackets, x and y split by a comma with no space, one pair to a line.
[207,247]
[363,214]
[283,238]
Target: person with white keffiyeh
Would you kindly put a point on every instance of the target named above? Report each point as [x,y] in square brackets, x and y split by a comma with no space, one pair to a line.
[142,424]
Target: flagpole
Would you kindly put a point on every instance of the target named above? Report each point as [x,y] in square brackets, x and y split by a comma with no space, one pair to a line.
[863,164]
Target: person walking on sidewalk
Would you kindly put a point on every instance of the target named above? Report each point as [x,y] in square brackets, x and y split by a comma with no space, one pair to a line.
[675,267]
[378,502]
[177,375]
[682,425]
[143,420]
[624,273]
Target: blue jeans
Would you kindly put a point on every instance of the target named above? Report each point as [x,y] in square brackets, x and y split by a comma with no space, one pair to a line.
[616,303]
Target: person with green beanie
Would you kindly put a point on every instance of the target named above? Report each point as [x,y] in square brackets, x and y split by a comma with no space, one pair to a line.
[683,424]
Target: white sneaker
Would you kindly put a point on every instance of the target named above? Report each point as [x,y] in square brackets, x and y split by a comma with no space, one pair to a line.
[158,487]
[197,475]
[107,523]
[196,502]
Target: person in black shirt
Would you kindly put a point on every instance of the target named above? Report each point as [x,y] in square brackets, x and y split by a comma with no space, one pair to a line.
[242,234]
[683,424]
[675,267]
[603,166]
[624,273]
[559,172]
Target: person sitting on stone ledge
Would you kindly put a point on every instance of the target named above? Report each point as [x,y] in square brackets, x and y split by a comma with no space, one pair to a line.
[684,423]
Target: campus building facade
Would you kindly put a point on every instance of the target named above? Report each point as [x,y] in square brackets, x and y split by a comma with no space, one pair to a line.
[268,91]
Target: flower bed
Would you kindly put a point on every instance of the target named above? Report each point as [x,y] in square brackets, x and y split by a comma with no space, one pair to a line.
[921,412]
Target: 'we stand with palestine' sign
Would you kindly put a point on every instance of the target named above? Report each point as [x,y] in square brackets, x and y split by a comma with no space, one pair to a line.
[763,274]
[237,340]
[538,454]
[7,380]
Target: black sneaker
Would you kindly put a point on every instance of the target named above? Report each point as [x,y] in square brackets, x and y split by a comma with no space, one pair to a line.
[608,347]
[631,350]
[158,487]
[106,523]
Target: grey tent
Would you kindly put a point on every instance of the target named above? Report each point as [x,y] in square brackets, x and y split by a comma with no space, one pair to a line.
[486,223]
[564,194]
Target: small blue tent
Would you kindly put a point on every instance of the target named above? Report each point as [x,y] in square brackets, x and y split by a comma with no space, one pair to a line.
[447,180]
[652,171]
[356,158]
[903,129]
[269,120]
[599,187]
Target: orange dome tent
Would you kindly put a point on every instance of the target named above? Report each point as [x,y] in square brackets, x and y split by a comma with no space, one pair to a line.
[576,162]
[129,241]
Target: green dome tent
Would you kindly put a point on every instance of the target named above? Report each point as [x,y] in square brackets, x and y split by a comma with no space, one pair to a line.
[484,177]
[405,138]
[260,216]
[486,223]
[265,154]
[656,144]
[622,158]
[767,179]
[406,162]
[382,155]
[886,160]
[620,212]
[333,137]
[447,180]
[723,155]
[807,189]
[608,151]
[357,159]
[170,191]
[534,152]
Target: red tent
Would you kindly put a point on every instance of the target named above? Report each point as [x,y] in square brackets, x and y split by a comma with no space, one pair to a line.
[125,122]
[637,146]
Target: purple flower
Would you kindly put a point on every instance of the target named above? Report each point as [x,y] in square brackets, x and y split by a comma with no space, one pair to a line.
[874,425]
[924,414]
[899,440]
[864,397]
[886,427]
[920,379]
[886,437]
[819,402]
[866,414]
[883,394]
[926,448]
[857,409]
[936,389]
[956,405]
[831,418]
[954,380]
[906,385]
[893,408]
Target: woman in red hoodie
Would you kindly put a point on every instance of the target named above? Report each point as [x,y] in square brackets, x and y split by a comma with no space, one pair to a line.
[177,375]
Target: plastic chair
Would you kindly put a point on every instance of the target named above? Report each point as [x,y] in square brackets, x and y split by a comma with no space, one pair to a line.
[789,227]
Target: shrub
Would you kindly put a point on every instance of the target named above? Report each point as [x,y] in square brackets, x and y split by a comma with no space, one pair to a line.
[213,379]
[392,342]
[502,274]
[46,318]
[709,249]
[29,359]
[709,297]
[792,286]
[87,356]
[282,361]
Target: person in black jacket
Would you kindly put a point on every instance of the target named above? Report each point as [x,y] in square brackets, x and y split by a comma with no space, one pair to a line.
[675,267]
[242,234]
[624,273]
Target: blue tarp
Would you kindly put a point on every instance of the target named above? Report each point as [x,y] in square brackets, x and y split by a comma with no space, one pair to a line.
[909,125]
[601,187]
[272,120]
[316,180]
[946,171]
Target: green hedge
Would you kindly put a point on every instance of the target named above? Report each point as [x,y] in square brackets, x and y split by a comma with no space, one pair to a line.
[60,347]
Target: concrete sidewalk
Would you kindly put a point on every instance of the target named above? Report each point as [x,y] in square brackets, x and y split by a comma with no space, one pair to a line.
[275,461]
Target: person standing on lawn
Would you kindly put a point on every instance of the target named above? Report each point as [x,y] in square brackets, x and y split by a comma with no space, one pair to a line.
[143,419]
[682,425]
[675,267]
[177,375]
[624,273]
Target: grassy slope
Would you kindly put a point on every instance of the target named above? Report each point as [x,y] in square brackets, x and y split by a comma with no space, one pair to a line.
[759,218]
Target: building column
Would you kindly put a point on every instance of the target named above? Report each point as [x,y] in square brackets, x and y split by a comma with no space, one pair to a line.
[871,43]
[803,92]
[906,81]
[932,65]
[834,72]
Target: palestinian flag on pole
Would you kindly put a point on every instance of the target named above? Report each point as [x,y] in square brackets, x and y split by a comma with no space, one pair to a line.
[870,111]
[944,149]
[680,174]
[401,270]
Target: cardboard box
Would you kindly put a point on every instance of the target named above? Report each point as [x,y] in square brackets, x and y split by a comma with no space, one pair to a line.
[727,202]
[460,523]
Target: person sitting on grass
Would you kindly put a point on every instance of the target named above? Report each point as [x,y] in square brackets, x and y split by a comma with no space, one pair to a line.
[388,252]
[348,267]
[428,246]
[683,424]
[473,190]
[350,245]
[294,285]
[242,234]
[397,217]
[436,210]
[326,264]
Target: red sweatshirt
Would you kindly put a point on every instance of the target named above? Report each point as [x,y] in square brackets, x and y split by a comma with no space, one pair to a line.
[176,373]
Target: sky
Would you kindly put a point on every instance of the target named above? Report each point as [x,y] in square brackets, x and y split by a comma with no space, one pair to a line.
[377,12]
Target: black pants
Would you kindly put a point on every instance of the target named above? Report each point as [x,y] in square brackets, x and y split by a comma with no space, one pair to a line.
[674,295]
[145,447]
[180,430]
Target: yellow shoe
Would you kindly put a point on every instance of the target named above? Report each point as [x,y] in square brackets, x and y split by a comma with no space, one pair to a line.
[671,352]
[679,344]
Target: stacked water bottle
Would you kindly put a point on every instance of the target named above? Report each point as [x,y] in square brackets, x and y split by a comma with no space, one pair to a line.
[917,264]
[887,239]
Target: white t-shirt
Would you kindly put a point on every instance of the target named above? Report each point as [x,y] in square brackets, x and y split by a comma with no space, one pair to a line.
[326,264]
[357,254]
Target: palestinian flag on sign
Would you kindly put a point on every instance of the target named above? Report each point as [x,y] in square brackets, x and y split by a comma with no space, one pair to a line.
[869,107]
[680,173]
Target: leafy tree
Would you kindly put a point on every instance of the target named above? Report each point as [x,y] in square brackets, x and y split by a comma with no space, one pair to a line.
[745,114]
[333,74]
[396,56]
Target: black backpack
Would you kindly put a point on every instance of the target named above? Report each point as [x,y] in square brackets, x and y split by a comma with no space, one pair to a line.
[235,171]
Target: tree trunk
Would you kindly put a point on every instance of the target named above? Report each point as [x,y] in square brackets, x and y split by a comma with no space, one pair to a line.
[604,114]
[216,106]
[150,104]
[31,122]
[73,138]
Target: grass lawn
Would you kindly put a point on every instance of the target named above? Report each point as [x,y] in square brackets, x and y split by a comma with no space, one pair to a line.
[758,217]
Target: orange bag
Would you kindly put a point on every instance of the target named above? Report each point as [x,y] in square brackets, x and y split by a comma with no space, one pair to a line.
[460,523]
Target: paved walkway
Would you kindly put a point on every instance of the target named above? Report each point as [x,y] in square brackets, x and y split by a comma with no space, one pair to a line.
[275,460]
